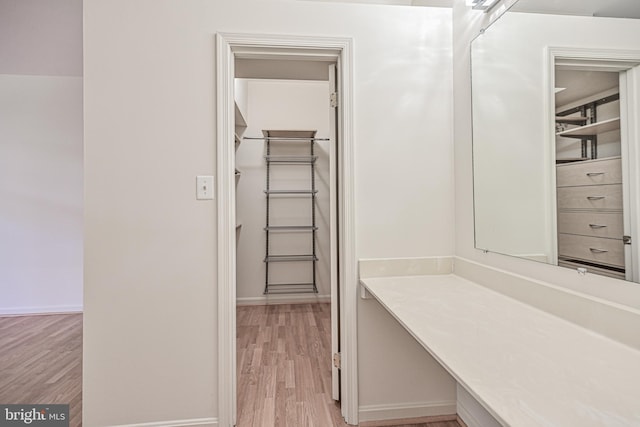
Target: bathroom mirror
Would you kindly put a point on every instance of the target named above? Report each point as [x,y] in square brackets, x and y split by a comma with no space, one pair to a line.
[556,135]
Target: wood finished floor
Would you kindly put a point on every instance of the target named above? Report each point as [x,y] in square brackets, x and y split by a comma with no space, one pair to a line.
[284,368]
[284,365]
[41,361]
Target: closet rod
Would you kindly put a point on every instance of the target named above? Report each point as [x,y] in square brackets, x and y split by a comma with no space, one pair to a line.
[273,138]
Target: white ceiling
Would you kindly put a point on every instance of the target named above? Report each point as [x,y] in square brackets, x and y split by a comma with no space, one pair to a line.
[424,3]
[282,69]
[604,8]
[580,84]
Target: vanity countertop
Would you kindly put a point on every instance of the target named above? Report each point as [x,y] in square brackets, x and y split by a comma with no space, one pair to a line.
[525,366]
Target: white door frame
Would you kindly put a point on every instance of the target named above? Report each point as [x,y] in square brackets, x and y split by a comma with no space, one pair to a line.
[612,60]
[228,45]
[630,110]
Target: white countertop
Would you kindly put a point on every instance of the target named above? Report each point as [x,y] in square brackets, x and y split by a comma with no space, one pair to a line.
[526,367]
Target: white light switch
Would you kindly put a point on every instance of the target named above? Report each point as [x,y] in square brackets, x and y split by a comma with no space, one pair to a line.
[204,187]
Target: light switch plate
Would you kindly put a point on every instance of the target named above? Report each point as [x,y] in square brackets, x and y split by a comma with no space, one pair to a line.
[204,187]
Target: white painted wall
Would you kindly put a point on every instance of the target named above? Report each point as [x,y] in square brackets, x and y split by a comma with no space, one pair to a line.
[40,156]
[293,105]
[41,37]
[41,194]
[241,96]
[150,291]
[467,24]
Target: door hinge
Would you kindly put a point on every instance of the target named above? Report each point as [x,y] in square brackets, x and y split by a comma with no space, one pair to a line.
[337,360]
[333,99]
[626,240]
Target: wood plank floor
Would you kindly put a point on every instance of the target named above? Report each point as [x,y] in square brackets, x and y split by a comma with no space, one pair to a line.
[284,365]
[284,368]
[41,361]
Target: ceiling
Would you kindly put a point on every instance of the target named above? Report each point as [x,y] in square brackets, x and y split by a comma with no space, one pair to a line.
[424,3]
[248,68]
[603,8]
[580,84]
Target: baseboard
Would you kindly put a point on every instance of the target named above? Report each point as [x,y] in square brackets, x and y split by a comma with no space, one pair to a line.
[200,422]
[283,299]
[406,410]
[29,311]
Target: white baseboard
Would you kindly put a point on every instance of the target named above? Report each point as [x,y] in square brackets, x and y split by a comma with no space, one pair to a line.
[27,311]
[283,299]
[200,422]
[406,410]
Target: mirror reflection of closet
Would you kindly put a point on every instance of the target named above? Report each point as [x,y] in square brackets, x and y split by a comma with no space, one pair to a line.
[528,150]
[589,172]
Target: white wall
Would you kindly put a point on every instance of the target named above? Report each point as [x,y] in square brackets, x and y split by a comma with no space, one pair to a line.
[150,290]
[293,105]
[241,96]
[41,193]
[40,156]
[41,37]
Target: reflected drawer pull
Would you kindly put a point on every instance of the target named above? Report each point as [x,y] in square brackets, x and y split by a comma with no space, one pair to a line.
[597,251]
[597,226]
[595,197]
[595,173]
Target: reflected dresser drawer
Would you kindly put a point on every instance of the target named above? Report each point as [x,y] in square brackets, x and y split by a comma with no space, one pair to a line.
[595,224]
[592,197]
[590,172]
[593,249]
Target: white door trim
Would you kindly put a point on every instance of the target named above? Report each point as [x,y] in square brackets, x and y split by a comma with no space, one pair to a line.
[227,45]
[630,134]
[612,60]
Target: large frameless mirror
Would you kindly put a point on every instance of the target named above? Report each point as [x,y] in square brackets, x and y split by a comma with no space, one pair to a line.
[556,135]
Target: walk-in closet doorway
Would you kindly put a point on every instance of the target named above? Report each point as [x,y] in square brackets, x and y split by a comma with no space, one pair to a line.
[286,269]
[593,105]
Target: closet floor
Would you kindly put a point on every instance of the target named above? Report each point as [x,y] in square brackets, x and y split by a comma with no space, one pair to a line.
[284,368]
